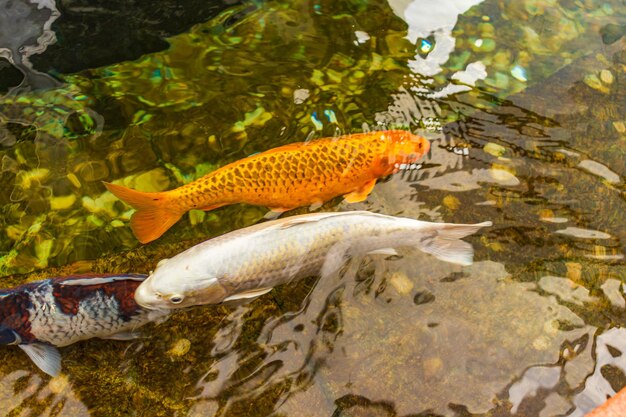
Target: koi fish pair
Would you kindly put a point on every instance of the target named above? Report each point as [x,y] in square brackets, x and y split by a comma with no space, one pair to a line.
[283,178]
[242,264]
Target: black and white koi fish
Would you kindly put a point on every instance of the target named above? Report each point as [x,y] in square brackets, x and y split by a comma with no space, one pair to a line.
[60,311]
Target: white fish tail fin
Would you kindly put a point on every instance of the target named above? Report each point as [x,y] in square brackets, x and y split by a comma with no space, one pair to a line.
[444,242]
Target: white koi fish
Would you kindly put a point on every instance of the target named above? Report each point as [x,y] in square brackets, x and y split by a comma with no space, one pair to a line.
[249,262]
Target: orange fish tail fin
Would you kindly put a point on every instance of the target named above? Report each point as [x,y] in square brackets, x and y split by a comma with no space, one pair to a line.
[155,214]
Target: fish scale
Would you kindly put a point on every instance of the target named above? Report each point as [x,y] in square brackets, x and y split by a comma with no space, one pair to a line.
[95,314]
[282,170]
[290,176]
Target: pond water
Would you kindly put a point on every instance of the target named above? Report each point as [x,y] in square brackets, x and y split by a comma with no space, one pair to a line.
[525,106]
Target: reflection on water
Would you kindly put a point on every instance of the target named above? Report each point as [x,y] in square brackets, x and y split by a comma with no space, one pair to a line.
[524,104]
[26,30]
[609,372]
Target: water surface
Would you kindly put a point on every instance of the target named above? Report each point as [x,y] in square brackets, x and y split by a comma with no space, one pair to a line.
[524,104]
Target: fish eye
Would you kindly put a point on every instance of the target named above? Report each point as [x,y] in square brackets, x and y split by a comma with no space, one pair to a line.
[420,145]
[176,299]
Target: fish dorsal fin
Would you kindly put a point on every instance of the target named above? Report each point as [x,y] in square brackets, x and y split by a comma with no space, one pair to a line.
[86,281]
[248,294]
[297,221]
[315,217]
[46,357]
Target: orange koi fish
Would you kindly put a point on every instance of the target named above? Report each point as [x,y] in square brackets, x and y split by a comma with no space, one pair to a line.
[282,178]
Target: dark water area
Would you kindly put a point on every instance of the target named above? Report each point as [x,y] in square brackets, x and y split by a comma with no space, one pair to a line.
[89,34]
[129,28]
[524,104]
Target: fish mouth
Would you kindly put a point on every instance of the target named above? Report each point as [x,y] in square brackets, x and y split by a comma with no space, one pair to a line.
[147,298]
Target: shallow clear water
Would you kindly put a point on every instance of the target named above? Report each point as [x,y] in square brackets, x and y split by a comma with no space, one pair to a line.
[524,103]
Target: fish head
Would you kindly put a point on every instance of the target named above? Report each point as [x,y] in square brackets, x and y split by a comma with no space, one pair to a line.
[173,288]
[8,336]
[402,151]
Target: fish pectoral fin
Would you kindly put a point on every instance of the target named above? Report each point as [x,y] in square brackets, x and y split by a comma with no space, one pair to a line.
[335,258]
[275,212]
[272,215]
[316,205]
[384,251]
[46,357]
[248,294]
[131,335]
[280,209]
[360,194]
